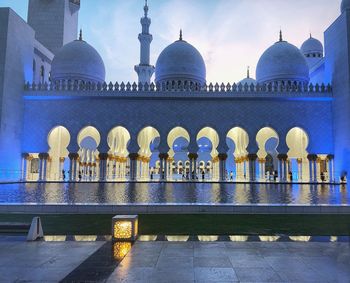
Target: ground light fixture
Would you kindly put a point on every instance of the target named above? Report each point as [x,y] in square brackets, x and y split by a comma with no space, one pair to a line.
[125,228]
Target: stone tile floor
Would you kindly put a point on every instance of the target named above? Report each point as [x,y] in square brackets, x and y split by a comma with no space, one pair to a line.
[235,262]
[42,261]
[178,262]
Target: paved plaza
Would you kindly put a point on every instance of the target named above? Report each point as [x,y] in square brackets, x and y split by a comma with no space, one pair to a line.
[42,261]
[175,262]
[235,262]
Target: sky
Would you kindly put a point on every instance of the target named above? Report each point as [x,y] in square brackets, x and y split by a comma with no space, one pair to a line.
[230,34]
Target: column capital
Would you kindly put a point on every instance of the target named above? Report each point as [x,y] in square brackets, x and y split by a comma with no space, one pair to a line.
[252,156]
[43,155]
[330,156]
[222,156]
[103,156]
[25,155]
[312,157]
[133,156]
[163,155]
[282,156]
[73,155]
[192,155]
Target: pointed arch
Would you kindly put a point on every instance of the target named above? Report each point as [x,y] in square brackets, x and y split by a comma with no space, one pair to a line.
[58,140]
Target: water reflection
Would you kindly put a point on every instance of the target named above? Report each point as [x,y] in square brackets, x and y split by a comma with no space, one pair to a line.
[177,238]
[206,193]
[208,238]
[120,250]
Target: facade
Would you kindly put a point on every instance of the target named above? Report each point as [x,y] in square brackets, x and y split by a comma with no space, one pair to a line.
[67,123]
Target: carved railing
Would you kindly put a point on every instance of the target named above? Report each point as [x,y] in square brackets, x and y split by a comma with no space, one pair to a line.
[179,87]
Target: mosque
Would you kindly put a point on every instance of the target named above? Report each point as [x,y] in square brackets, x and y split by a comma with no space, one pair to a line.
[60,120]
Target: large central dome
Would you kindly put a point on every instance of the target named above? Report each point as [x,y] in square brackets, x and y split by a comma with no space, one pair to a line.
[282,62]
[180,61]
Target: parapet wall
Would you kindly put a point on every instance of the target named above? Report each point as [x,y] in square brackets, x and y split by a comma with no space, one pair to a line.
[224,89]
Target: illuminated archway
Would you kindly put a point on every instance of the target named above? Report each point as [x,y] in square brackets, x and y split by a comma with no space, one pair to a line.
[267,140]
[178,141]
[148,140]
[237,141]
[58,141]
[88,167]
[297,142]
[208,141]
[117,167]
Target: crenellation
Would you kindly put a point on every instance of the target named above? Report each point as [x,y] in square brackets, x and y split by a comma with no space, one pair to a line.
[68,85]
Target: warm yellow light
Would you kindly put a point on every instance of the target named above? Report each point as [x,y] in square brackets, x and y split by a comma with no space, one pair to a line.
[136,231]
[122,229]
[120,250]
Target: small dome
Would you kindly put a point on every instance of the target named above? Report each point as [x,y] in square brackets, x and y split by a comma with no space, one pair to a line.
[345,4]
[78,60]
[248,80]
[282,62]
[180,61]
[312,46]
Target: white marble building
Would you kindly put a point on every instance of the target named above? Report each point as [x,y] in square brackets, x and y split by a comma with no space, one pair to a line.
[61,120]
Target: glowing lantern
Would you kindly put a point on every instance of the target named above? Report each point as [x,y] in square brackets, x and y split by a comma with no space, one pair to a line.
[124,227]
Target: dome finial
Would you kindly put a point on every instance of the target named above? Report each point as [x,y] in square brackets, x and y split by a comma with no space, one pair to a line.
[248,73]
[281,36]
[81,35]
[146,8]
[180,34]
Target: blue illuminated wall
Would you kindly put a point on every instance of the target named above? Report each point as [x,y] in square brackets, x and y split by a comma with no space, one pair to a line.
[16,61]
[43,114]
[337,72]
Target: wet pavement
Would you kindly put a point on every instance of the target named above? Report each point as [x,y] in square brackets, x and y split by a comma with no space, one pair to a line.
[167,261]
[235,262]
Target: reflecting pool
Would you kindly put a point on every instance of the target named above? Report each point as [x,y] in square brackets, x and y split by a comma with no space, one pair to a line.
[172,193]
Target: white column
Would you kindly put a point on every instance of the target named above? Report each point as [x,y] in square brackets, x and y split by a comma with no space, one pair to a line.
[264,170]
[40,168]
[44,169]
[318,169]
[331,169]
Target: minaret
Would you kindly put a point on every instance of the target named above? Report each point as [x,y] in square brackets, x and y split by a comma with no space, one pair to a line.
[144,70]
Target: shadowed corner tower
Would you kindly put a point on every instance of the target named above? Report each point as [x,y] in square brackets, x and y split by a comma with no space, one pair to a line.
[337,67]
[55,21]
